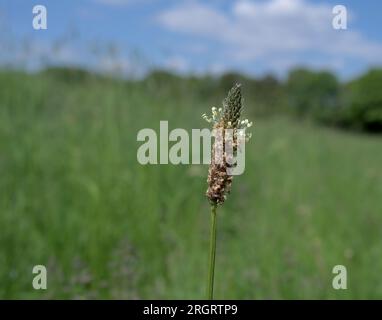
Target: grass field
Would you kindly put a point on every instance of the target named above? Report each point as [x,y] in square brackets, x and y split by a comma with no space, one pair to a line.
[74,198]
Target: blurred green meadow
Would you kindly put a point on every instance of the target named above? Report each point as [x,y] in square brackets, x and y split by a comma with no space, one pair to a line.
[74,198]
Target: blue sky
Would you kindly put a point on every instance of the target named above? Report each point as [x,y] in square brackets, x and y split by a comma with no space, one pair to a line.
[193,36]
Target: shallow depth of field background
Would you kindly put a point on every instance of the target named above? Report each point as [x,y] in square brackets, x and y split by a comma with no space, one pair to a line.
[74,198]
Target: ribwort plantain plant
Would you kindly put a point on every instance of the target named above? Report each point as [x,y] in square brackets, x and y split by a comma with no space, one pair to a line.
[224,120]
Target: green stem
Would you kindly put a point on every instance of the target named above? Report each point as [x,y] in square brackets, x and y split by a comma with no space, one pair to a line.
[210,290]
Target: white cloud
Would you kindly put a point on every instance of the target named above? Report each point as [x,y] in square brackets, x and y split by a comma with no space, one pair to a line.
[194,18]
[256,30]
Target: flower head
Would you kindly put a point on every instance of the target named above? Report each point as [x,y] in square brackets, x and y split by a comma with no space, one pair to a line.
[228,117]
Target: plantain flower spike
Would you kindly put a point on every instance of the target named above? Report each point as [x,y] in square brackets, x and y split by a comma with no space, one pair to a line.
[228,117]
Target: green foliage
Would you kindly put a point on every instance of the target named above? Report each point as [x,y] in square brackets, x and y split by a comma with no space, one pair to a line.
[312,92]
[362,100]
[68,75]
